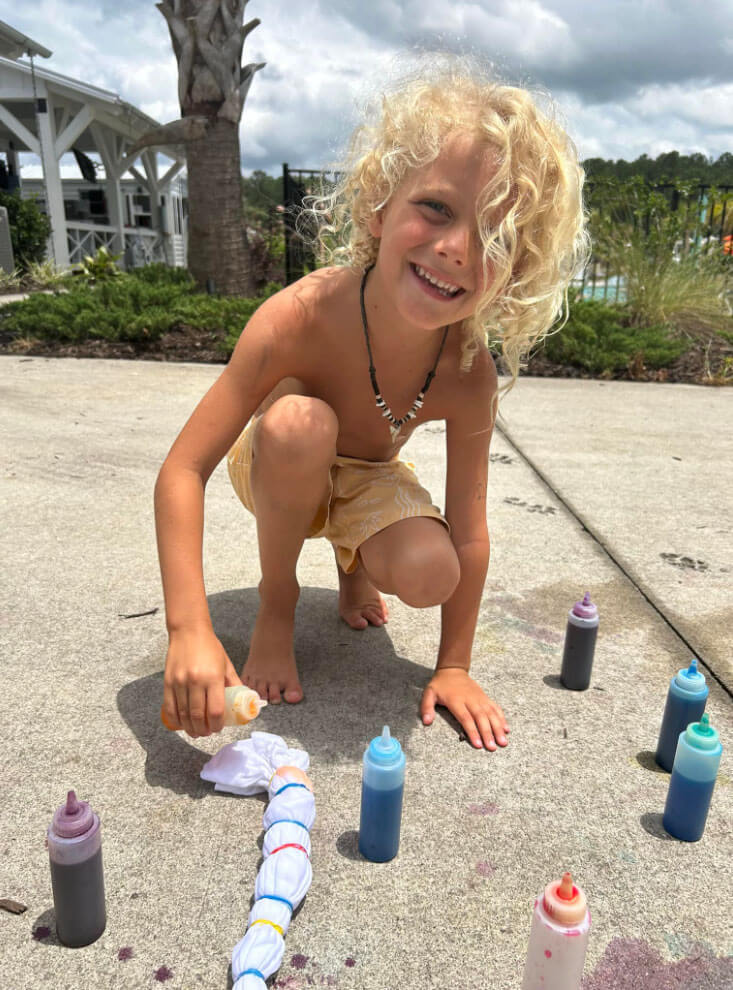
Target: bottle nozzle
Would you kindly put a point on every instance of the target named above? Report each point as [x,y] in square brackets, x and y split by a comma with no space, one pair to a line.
[385,740]
[705,728]
[72,805]
[692,669]
[566,889]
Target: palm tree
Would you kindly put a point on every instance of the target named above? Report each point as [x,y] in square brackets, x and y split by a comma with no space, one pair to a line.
[208,37]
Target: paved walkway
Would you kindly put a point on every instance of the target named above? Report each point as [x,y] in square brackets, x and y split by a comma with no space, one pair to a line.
[619,489]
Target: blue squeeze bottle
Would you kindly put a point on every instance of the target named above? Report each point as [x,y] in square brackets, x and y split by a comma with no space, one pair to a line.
[685,703]
[382,786]
[693,779]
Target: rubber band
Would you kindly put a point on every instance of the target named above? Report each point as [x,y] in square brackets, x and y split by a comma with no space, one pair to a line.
[274,897]
[285,787]
[250,972]
[274,773]
[290,845]
[288,821]
[264,921]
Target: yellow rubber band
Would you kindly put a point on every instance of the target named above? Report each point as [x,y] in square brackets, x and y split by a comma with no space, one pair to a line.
[270,780]
[264,921]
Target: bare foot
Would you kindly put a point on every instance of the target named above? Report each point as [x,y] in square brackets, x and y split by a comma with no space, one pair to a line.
[270,668]
[359,601]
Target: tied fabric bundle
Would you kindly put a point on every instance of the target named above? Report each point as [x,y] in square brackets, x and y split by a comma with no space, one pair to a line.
[265,763]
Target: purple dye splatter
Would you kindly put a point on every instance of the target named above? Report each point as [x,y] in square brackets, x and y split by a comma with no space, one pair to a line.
[163,973]
[350,962]
[299,961]
[125,953]
[626,958]
[483,809]
[485,869]
[40,933]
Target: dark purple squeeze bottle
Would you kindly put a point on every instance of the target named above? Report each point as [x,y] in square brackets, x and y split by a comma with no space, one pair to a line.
[580,643]
[75,851]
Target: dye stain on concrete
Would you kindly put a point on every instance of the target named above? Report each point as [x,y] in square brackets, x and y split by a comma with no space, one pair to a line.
[41,933]
[125,953]
[485,869]
[483,809]
[350,962]
[629,963]
[163,974]
[299,961]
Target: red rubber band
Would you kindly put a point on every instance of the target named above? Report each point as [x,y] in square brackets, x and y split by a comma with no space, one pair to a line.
[290,845]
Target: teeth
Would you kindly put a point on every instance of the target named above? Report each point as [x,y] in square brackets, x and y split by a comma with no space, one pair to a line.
[446,287]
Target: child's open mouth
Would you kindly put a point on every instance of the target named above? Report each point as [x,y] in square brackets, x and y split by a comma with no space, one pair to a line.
[434,286]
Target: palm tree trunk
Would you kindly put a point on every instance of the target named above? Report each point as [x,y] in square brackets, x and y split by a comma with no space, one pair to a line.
[218,251]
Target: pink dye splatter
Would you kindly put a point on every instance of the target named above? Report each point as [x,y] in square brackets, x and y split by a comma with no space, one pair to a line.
[485,869]
[350,962]
[299,961]
[40,933]
[548,954]
[626,958]
[483,809]
[163,973]
[125,953]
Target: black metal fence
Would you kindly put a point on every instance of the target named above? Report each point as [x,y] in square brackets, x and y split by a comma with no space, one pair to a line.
[706,224]
[707,221]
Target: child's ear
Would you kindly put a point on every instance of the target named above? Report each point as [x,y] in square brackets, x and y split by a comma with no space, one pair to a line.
[375,223]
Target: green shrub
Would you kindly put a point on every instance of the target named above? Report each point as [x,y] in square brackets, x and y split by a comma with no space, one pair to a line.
[29,229]
[137,308]
[598,338]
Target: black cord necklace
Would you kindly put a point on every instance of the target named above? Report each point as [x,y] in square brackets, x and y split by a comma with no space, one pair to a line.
[395,425]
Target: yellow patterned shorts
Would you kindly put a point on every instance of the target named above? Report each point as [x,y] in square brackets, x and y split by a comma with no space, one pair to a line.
[364,497]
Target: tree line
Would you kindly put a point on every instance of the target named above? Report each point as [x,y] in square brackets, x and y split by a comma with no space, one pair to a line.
[668,167]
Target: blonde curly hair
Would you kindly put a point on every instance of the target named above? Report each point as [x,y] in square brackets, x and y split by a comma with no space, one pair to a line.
[530,215]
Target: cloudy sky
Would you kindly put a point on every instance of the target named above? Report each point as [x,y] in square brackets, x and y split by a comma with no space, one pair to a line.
[631,76]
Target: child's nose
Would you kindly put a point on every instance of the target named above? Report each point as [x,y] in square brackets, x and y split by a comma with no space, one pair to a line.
[455,245]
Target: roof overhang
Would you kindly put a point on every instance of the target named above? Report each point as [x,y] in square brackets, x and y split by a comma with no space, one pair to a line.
[14,43]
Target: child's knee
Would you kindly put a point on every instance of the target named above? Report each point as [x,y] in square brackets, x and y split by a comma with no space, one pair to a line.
[426,575]
[297,427]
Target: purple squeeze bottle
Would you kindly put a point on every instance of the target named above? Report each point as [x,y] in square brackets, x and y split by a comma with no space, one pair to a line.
[580,643]
[75,851]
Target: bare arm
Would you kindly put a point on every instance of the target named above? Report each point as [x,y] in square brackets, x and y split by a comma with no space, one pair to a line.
[196,666]
[468,438]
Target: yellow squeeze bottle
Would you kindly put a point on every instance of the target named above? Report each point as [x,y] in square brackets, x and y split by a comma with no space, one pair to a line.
[241,705]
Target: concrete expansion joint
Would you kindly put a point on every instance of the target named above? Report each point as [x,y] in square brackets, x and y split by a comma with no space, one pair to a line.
[626,571]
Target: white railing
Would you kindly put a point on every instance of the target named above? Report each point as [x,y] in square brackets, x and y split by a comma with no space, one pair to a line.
[142,246]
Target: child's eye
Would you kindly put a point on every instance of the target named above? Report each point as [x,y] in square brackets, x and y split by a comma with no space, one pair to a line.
[433,204]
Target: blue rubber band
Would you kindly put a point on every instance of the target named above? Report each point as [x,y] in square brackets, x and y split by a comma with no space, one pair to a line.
[274,897]
[285,787]
[288,821]
[251,972]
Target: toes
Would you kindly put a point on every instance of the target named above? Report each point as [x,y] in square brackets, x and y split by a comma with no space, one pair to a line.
[273,694]
[293,694]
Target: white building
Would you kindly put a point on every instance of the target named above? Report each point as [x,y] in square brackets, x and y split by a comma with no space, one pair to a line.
[143,217]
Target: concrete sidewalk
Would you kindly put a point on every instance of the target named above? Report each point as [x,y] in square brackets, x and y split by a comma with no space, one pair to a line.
[482,833]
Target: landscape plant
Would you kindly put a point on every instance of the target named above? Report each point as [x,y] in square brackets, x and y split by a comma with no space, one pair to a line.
[29,229]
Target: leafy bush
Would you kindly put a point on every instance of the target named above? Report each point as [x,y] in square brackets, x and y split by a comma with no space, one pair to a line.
[598,338]
[671,274]
[29,229]
[137,308]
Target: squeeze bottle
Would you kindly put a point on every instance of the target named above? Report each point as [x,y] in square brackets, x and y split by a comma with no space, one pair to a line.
[685,703]
[74,841]
[580,643]
[241,705]
[558,938]
[382,786]
[693,779]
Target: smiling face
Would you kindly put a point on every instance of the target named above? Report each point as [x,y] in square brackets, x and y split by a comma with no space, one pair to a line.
[430,253]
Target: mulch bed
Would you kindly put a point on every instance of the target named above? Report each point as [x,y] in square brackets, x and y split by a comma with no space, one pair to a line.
[709,361]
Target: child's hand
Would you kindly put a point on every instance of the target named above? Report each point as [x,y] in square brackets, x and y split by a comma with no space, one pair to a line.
[484,722]
[197,669]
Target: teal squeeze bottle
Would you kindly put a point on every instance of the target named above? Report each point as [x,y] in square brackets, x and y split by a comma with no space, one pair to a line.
[382,786]
[693,779]
[685,703]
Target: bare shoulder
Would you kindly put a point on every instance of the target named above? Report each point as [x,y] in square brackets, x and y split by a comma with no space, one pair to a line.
[473,394]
